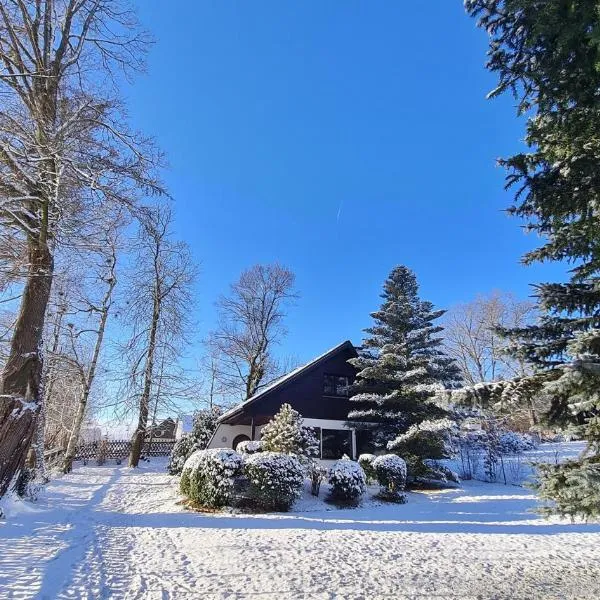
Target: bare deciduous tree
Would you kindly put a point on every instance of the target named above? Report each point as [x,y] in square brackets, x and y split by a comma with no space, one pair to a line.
[213,389]
[250,323]
[160,305]
[471,337]
[97,312]
[472,340]
[65,154]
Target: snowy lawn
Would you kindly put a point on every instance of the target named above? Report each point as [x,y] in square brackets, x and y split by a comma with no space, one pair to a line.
[113,532]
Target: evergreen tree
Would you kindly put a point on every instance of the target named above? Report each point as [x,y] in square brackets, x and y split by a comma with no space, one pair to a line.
[203,427]
[286,433]
[400,367]
[547,53]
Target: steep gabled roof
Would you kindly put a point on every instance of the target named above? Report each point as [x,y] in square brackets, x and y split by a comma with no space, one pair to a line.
[286,379]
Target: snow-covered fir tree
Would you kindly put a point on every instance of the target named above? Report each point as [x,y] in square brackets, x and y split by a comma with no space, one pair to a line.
[286,433]
[401,366]
[546,55]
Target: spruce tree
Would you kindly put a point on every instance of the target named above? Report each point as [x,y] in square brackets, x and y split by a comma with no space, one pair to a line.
[401,366]
[548,55]
[286,433]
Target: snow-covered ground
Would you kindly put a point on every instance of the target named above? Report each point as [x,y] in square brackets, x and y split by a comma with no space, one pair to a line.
[113,532]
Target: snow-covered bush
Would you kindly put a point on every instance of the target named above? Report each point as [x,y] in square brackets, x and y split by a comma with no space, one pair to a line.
[286,433]
[482,452]
[204,425]
[390,470]
[208,476]
[249,447]
[182,450]
[347,481]
[276,479]
[422,443]
[512,442]
[310,446]
[366,462]
[442,473]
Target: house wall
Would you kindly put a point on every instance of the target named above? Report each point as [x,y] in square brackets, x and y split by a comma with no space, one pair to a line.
[305,393]
[225,434]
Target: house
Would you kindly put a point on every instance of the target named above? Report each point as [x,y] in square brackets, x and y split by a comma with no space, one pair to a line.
[319,391]
[165,430]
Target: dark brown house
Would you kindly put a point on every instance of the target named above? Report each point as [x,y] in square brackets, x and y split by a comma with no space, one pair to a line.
[165,430]
[318,391]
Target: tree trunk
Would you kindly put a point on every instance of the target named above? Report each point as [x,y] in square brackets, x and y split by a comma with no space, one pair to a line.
[89,378]
[533,418]
[158,388]
[140,432]
[69,457]
[41,474]
[20,400]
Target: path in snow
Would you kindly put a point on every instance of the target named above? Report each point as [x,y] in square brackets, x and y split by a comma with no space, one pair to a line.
[113,532]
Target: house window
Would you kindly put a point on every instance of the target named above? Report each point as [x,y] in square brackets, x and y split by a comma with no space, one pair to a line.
[336,385]
[335,443]
[364,442]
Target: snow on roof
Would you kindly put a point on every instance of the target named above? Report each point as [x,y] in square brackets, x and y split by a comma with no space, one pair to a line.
[281,380]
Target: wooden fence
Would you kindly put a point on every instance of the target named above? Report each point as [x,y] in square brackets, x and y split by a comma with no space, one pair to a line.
[120,449]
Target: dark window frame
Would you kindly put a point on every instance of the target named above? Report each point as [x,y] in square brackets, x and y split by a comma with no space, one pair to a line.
[347,433]
[334,388]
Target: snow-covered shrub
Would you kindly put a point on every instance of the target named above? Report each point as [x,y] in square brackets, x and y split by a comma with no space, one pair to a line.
[208,476]
[188,468]
[482,452]
[442,473]
[512,442]
[204,425]
[423,442]
[182,449]
[366,462]
[310,446]
[276,479]
[286,433]
[390,471]
[347,481]
[249,447]
[316,473]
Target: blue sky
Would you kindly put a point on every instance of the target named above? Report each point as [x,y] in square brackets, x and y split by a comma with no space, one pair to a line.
[339,138]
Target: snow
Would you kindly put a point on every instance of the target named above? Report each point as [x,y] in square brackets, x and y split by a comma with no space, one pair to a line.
[518,468]
[115,532]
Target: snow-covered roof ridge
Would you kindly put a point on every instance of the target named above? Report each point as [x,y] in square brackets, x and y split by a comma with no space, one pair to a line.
[284,379]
